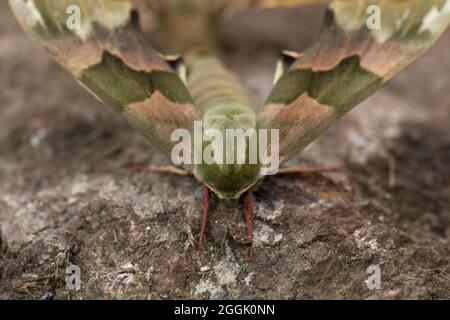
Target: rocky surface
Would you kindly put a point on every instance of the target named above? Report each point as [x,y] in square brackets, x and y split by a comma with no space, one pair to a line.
[69,197]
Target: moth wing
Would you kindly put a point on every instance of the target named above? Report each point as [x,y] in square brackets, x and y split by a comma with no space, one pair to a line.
[347,64]
[100,43]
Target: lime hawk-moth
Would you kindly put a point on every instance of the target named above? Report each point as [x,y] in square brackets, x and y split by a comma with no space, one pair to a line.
[111,57]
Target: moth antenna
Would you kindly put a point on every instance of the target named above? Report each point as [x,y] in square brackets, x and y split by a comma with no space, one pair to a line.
[285,61]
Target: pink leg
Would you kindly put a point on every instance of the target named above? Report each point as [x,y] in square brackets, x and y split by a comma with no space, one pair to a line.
[249,219]
[206,200]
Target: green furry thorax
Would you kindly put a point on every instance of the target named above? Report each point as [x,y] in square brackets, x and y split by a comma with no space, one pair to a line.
[228,181]
[229,115]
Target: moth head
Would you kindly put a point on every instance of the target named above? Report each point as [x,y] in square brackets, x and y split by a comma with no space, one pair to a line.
[229,182]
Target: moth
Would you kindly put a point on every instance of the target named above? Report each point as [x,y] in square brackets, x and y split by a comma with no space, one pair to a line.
[158,94]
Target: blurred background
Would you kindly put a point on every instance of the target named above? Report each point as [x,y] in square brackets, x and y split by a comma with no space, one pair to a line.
[68,195]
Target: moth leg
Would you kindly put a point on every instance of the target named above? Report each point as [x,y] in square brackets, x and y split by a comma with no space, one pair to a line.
[204,220]
[164,169]
[300,170]
[249,219]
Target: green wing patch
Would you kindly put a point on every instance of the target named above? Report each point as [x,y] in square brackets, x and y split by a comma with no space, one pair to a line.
[118,85]
[353,81]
